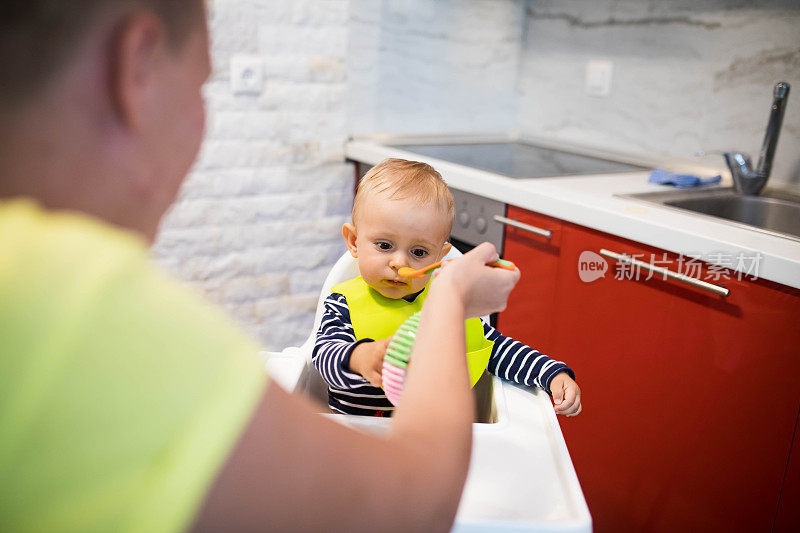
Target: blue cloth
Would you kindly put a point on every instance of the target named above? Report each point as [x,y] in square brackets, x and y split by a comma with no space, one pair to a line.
[682,181]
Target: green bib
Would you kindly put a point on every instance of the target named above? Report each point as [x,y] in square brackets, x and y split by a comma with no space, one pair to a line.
[375,316]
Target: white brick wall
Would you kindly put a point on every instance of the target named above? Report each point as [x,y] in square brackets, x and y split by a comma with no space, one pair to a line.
[257,223]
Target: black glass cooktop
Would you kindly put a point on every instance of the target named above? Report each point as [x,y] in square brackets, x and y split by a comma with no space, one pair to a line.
[518,160]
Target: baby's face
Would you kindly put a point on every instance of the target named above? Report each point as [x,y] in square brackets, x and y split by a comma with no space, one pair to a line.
[391,234]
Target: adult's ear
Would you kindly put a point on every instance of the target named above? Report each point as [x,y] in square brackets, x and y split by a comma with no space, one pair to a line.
[349,234]
[134,57]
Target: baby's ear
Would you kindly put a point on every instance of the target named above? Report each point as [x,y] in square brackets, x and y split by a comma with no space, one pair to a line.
[349,234]
[446,249]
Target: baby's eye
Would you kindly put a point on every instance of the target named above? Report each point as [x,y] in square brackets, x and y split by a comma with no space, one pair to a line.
[419,252]
[383,245]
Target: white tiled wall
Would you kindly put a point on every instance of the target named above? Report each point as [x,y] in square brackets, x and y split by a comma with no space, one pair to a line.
[433,66]
[258,220]
[687,76]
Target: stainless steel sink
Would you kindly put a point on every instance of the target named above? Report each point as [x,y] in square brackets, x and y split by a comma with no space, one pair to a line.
[775,211]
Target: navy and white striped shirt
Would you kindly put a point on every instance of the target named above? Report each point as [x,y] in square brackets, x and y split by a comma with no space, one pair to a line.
[349,393]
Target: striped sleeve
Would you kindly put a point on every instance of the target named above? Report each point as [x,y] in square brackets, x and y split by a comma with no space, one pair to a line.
[334,345]
[518,362]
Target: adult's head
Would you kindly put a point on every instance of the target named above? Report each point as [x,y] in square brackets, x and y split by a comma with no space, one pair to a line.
[100,104]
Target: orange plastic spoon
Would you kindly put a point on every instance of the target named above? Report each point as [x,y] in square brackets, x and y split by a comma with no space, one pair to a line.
[408,272]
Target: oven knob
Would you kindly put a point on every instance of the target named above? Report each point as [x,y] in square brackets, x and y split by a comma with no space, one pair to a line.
[480,224]
[463,218]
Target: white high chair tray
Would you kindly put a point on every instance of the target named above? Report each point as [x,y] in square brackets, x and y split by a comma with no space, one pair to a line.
[521,477]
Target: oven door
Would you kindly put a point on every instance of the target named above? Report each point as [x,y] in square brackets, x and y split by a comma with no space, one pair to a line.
[475,223]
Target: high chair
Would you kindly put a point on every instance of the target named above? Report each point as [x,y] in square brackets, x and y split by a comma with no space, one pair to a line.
[345,268]
[521,477]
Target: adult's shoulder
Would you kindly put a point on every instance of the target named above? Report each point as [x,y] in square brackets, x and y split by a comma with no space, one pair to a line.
[123,376]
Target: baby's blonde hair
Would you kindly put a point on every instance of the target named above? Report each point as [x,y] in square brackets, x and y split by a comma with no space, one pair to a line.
[406,179]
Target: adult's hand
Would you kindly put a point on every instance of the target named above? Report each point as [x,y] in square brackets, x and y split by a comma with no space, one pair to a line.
[481,289]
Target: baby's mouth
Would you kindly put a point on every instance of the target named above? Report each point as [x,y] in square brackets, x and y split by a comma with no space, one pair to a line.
[395,283]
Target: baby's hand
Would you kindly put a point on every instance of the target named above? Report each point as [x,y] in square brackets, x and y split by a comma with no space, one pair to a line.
[566,395]
[367,360]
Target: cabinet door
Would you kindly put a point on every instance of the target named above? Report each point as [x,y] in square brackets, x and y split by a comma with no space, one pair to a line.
[690,398]
[528,316]
[788,516]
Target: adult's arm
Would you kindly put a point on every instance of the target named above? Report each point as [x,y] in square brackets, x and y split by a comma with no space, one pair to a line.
[295,470]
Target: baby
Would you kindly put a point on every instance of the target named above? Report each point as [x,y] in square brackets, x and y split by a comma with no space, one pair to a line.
[402,216]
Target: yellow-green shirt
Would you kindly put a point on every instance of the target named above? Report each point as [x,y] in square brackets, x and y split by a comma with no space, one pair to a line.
[121,392]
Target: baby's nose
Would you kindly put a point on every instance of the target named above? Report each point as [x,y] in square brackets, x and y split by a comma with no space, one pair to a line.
[396,261]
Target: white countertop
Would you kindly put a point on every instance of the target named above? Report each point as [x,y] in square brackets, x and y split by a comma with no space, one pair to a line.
[589,201]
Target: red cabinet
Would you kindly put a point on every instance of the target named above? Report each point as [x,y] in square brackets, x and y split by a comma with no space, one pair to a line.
[788,516]
[690,398]
[529,314]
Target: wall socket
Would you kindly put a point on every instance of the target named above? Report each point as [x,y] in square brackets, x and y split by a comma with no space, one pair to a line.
[247,74]
[599,73]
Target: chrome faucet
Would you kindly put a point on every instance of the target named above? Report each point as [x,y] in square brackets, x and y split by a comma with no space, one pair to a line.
[750,181]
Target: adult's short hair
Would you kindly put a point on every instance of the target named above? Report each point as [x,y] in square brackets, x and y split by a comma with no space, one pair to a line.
[37,37]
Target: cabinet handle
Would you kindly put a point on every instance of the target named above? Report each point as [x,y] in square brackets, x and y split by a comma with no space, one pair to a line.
[622,258]
[527,227]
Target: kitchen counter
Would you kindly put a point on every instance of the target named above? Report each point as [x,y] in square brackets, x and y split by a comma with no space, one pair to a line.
[589,200]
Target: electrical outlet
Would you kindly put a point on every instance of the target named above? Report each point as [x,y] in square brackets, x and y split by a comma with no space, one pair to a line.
[247,74]
[598,78]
